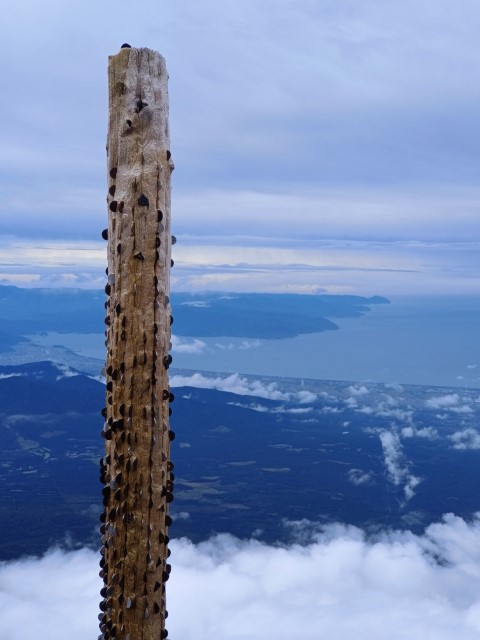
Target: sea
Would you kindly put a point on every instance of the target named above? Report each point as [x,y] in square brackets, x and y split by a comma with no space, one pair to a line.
[425,341]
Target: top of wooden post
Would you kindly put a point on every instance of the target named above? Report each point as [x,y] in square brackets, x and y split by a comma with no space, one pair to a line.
[138,99]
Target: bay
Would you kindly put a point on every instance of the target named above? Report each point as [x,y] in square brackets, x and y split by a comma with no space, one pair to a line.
[426,341]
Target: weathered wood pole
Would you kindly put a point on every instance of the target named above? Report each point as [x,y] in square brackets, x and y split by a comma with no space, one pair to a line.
[136,470]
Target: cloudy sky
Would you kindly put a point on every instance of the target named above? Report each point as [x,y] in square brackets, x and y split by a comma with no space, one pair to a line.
[336,584]
[319,144]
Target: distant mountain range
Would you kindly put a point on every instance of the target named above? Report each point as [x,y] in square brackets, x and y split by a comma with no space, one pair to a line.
[249,461]
[263,315]
[27,311]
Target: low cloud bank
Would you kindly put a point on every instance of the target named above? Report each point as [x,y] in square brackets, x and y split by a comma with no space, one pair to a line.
[339,585]
[241,385]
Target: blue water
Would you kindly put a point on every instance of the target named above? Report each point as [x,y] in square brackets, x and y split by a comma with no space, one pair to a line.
[433,341]
[429,341]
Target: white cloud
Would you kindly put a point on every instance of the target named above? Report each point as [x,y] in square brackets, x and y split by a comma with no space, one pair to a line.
[52,263]
[180,345]
[450,402]
[263,409]
[392,450]
[468,438]
[356,390]
[243,345]
[253,407]
[395,386]
[250,344]
[66,372]
[340,585]
[399,414]
[328,409]
[31,610]
[53,254]
[429,433]
[443,402]
[201,304]
[366,410]
[397,467]
[383,409]
[464,408]
[304,397]
[182,515]
[359,477]
[243,386]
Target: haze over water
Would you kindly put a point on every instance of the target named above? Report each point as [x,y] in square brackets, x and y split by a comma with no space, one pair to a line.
[427,341]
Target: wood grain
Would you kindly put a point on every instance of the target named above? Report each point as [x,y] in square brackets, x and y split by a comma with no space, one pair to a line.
[137,470]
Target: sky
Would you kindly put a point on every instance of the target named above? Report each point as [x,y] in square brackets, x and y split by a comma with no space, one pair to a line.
[333,583]
[319,145]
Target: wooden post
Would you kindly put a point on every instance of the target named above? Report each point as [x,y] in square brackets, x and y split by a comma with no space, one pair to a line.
[137,471]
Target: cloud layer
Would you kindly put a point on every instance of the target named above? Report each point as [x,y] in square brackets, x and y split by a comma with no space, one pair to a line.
[241,385]
[337,584]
